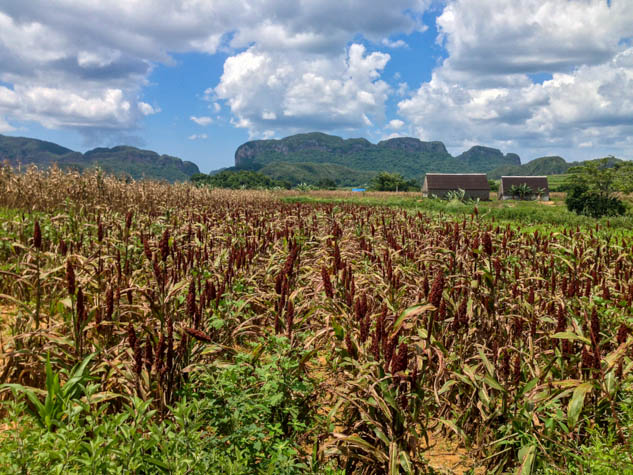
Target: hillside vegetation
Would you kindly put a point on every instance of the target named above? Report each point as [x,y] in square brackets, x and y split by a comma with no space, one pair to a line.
[290,157]
[122,161]
[553,165]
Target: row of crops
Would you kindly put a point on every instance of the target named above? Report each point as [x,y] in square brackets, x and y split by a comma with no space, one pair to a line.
[379,326]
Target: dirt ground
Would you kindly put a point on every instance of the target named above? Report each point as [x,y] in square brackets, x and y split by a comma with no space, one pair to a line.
[446,457]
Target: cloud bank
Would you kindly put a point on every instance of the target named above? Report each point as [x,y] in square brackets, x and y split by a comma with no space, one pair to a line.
[528,75]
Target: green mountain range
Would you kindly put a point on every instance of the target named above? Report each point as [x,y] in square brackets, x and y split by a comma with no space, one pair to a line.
[121,161]
[304,158]
[294,155]
[315,157]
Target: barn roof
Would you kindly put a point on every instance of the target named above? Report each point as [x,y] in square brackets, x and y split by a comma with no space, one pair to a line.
[454,181]
[533,182]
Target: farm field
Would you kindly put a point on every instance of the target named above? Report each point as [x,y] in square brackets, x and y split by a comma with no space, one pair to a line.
[154,328]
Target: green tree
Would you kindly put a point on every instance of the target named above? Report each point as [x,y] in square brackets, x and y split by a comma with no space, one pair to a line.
[522,191]
[591,187]
[237,179]
[386,181]
[326,184]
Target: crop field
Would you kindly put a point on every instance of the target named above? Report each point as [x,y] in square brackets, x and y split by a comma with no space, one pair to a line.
[154,328]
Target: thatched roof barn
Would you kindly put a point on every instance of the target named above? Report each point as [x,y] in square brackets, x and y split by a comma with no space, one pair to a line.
[524,187]
[475,185]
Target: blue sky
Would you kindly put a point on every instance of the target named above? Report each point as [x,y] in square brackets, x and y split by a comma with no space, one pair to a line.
[197,79]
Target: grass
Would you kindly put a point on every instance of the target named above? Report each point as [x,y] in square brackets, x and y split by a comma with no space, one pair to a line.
[551,215]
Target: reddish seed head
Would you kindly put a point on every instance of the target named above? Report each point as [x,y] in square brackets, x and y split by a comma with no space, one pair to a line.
[63,247]
[191,299]
[504,364]
[587,359]
[400,359]
[437,289]
[70,278]
[327,283]
[351,350]
[623,332]
[364,329]
[279,283]
[487,242]
[164,245]
[81,308]
[138,357]
[37,235]
[516,371]
[198,334]
[441,314]
[606,294]
[128,219]
[561,323]
[146,249]
[425,286]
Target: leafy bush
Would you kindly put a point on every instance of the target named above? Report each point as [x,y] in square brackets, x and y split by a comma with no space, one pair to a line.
[591,188]
[522,191]
[385,181]
[326,184]
[242,416]
[582,200]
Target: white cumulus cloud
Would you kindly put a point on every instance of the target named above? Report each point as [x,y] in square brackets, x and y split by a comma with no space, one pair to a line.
[292,92]
[203,121]
[394,44]
[488,89]
[84,50]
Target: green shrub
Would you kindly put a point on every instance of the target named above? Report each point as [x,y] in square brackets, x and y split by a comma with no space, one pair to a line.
[582,200]
[243,416]
[385,181]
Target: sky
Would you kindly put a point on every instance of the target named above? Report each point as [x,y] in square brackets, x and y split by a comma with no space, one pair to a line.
[197,78]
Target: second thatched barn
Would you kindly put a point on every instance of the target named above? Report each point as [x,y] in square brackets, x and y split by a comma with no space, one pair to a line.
[524,187]
[475,185]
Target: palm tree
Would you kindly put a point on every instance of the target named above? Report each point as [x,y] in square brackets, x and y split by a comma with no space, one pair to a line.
[522,191]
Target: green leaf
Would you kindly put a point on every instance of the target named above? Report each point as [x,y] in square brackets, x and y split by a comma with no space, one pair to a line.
[409,313]
[338,330]
[529,386]
[576,403]
[526,459]
[610,383]
[571,336]
[447,385]
[393,459]
[157,462]
[405,462]
[492,382]
[489,366]
[381,435]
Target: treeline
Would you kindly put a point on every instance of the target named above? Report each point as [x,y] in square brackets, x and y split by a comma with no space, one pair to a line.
[253,180]
[239,179]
